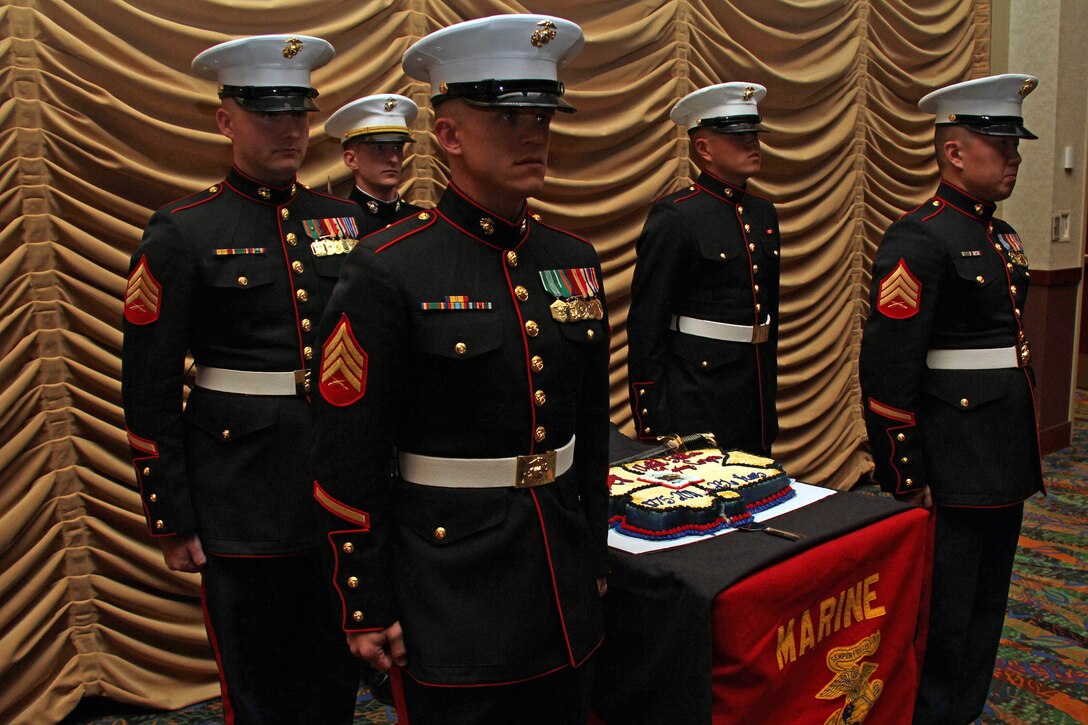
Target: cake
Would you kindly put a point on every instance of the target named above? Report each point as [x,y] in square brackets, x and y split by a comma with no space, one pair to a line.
[675,493]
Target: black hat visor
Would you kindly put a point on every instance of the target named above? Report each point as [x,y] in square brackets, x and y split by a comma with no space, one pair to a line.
[270,99]
[732,124]
[992,125]
[522,93]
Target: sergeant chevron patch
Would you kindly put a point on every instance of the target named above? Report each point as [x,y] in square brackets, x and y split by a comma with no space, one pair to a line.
[900,293]
[143,296]
[343,366]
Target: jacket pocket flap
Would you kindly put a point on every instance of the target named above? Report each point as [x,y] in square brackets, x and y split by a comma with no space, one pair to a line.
[449,334]
[230,421]
[967,389]
[714,353]
[445,515]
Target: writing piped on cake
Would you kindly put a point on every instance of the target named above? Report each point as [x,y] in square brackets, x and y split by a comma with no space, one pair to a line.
[663,497]
[736,476]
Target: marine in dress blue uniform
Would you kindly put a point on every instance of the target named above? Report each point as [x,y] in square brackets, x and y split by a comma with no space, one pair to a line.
[237,275]
[467,348]
[947,385]
[374,131]
[703,325]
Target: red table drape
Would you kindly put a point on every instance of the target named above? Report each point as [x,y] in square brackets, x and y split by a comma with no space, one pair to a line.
[829,636]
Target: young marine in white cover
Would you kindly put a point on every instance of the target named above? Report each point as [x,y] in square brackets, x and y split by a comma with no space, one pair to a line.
[703,325]
[374,131]
[237,275]
[947,384]
[468,346]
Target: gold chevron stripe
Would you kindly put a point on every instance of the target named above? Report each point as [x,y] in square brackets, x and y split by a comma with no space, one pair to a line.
[889,412]
[352,515]
[143,446]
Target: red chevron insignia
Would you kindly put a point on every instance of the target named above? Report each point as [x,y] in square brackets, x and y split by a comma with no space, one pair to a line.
[143,296]
[900,293]
[343,366]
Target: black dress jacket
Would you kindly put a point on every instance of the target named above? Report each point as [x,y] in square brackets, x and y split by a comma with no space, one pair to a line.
[440,341]
[230,276]
[949,276]
[710,252]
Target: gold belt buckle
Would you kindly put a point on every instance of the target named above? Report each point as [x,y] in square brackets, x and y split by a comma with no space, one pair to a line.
[302,382]
[535,470]
[761,333]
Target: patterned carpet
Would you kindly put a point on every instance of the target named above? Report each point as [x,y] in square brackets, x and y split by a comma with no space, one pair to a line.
[1042,667]
[100,711]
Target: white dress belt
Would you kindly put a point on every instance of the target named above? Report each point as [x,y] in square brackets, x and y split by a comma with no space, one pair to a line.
[516,472]
[721,330]
[250,382]
[987,358]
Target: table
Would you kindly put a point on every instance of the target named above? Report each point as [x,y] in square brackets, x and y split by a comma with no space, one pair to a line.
[751,628]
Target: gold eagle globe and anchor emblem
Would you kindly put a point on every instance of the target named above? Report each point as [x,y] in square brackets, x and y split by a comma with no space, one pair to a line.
[292,47]
[852,681]
[545,35]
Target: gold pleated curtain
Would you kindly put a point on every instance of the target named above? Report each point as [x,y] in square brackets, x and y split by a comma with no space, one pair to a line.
[101,122]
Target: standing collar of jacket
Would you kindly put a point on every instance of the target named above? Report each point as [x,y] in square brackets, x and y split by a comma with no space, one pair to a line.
[482,224]
[374,205]
[260,191]
[969,205]
[721,189]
